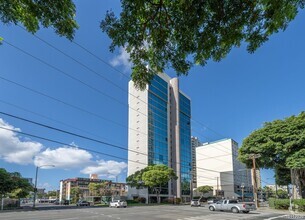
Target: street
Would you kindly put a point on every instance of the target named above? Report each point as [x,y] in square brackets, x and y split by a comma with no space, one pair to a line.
[140,213]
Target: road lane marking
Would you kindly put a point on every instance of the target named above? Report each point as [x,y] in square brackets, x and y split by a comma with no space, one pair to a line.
[68,218]
[276,217]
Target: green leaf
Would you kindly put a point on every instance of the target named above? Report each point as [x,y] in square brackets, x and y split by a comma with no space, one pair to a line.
[180,34]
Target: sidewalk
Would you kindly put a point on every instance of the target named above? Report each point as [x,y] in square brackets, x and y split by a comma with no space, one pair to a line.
[284,212]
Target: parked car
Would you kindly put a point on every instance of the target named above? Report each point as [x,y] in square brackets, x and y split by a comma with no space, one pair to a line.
[83,203]
[66,202]
[210,201]
[118,204]
[195,202]
[56,202]
[233,206]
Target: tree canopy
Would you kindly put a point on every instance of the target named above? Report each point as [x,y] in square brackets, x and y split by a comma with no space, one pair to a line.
[181,33]
[76,194]
[204,189]
[158,175]
[165,33]
[14,184]
[153,176]
[33,14]
[135,180]
[281,146]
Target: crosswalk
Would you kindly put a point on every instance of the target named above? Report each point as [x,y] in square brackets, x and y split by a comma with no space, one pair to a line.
[230,216]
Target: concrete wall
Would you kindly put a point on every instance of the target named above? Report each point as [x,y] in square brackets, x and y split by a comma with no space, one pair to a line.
[137,129]
[218,166]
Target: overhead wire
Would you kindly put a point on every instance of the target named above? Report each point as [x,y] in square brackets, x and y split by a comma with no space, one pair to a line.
[45,63]
[98,74]
[80,81]
[85,137]
[68,104]
[83,148]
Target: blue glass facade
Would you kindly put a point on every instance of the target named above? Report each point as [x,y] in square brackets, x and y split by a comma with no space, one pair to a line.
[159,130]
[185,143]
[158,122]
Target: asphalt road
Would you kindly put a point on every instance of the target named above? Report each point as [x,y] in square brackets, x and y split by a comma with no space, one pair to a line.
[140,213]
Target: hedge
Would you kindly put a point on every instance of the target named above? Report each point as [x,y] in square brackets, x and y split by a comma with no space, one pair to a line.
[298,204]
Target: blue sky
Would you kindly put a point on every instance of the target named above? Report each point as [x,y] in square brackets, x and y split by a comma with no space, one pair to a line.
[230,99]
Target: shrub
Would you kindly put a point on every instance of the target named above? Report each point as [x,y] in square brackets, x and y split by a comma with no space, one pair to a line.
[131,201]
[271,202]
[178,200]
[142,200]
[300,203]
[282,203]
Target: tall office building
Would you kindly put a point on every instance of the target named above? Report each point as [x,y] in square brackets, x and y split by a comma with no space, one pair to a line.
[160,133]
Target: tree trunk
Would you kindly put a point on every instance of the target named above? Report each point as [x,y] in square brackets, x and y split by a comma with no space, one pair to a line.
[299,182]
[2,201]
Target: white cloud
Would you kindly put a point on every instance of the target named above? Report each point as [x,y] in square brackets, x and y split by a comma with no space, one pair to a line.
[14,150]
[24,151]
[64,157]
[123,59]
[108,168]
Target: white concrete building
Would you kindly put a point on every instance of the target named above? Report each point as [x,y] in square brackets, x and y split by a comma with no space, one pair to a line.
[217,166]
[160,133]
[195,142]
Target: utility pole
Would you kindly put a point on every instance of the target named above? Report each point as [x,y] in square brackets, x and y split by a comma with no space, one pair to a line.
[217,187]
[191,185]
[253,157]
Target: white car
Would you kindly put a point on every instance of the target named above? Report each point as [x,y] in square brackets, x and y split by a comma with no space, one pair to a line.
[195,202]
[118,204]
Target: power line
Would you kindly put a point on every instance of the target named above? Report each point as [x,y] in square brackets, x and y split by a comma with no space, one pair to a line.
[51,119]
[80,81]
[104,62]
[70,105]
[77,147]
[69,133]
[83,137]
[69,145]
[48,118]
[74,78]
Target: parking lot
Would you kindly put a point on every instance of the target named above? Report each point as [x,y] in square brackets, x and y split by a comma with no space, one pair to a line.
[138,213]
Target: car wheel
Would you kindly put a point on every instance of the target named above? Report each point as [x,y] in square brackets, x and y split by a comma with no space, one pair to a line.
[245,211]
[125,206]
[211,208]
[234,210]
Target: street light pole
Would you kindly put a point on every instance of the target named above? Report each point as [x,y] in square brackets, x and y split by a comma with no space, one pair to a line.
[242,191]
[35,186]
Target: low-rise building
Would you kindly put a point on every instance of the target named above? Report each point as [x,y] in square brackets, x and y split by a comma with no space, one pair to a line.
[113,188]
[218,166]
